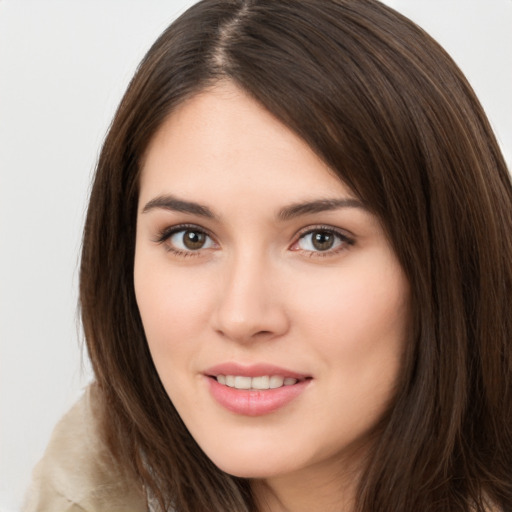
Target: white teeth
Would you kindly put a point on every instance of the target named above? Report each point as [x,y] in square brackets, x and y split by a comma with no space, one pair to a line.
[276,381]
[262,382]
[242,382]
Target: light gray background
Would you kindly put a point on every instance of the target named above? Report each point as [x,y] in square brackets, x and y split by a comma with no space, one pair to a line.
[63,68]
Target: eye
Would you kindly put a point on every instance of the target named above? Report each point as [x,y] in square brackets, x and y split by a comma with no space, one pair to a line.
[180,239]
[190,240]
[326,240]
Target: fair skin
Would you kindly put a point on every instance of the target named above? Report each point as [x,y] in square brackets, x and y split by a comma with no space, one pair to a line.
[231,276]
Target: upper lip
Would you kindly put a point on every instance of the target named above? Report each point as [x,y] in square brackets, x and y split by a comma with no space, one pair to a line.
[253,370]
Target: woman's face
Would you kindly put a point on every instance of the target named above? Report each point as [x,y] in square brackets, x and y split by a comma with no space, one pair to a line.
[275,310]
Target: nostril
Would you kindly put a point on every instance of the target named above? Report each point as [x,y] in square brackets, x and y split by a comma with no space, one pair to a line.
[262,333]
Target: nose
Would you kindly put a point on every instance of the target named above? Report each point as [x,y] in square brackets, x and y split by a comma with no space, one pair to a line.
[250,304]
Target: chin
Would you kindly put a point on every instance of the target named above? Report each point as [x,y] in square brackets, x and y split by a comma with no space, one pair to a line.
[255,463]
[255,470]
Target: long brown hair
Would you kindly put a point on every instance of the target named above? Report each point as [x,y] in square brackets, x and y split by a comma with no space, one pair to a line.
[387,109]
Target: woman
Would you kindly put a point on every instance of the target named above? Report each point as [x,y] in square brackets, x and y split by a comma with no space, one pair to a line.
[295,277]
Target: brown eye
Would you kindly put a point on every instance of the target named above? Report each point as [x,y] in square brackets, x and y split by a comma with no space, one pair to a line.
[193,240]
[190,240]
[322,240]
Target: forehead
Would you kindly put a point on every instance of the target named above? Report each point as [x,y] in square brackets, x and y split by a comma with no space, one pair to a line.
[222,141]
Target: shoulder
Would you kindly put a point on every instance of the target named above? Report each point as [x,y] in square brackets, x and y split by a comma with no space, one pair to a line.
[78,472]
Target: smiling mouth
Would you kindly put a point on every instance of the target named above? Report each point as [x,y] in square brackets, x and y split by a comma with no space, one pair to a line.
[255,390]
[259,383]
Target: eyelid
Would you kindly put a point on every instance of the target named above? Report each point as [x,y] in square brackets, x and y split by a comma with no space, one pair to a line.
[345,234]
[341,233]
[165,234]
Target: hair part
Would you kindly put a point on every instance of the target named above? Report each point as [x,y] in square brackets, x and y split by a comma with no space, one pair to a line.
[391,114]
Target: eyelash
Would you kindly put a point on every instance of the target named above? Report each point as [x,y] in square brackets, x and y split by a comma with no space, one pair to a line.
[345,241]
[168,232]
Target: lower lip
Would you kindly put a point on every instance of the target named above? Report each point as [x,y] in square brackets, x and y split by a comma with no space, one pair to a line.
[255,402]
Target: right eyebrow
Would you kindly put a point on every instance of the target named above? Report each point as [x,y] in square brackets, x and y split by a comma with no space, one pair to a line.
[319,205]
[169,202]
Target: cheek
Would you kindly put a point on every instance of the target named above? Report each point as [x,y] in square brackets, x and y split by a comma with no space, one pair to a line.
[359,324]
[174,312]
[174,307]
[359,332]
[359,304]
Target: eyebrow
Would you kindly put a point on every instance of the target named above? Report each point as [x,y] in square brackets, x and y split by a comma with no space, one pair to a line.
[169,202]
[172,203]
[320,205]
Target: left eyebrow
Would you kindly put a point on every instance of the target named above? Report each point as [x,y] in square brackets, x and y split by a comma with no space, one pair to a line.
[320,205]
[168,202]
